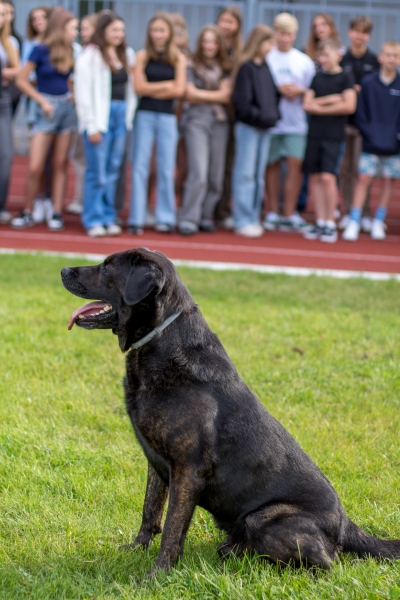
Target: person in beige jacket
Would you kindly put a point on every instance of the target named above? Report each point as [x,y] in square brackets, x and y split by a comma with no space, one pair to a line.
[105,104]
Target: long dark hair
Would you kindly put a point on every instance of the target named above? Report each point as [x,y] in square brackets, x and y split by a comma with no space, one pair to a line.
[106,17]
[237,41]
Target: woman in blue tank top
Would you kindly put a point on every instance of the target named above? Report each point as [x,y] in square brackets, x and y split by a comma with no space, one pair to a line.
[53,62]
[159,78]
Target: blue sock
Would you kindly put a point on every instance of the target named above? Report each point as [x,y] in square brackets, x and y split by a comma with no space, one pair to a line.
[380,213]
[355,214]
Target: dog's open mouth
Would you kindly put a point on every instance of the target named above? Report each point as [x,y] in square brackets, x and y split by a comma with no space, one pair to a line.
[95,315]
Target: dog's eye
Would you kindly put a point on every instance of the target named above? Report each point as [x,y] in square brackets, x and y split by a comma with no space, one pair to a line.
[105,270]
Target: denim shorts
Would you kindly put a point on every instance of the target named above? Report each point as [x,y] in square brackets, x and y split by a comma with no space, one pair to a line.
[63,120]
[379,166]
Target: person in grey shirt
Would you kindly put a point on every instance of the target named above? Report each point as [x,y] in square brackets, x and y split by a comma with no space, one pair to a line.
[208,92]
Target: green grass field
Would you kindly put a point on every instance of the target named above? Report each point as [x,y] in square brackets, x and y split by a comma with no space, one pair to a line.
[323,355]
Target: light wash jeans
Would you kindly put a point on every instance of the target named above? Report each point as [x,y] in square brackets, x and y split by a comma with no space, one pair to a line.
[248,180]
[103,162]
[162,129]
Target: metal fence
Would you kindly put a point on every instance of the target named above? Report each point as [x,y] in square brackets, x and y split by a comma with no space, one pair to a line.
[136,13]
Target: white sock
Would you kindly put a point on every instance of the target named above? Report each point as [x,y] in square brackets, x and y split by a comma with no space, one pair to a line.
[320,223]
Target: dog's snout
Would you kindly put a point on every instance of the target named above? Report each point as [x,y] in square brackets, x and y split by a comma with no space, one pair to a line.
[66,272]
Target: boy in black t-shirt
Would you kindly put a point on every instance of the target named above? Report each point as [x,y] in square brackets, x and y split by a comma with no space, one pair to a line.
[359,61]
[329,100]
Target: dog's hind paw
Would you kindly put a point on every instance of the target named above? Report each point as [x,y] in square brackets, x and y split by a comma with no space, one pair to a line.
[229,547]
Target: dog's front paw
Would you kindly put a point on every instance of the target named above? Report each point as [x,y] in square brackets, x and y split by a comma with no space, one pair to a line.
[142,540]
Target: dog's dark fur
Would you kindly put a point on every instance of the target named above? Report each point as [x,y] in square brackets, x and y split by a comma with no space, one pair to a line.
[207,438]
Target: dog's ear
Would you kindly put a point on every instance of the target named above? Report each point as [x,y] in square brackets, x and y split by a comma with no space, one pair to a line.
[140,283]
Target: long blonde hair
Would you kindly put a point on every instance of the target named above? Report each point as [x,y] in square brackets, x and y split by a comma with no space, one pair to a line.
[259,34]
[311,48]
[61,51]
[5,34]
[171,53]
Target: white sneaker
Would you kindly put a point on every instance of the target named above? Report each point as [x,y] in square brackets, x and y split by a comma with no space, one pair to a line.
[366,224]
[56,222]
[378,230]
[39,210]
[336,214]
[96,231]
[250,231]
[226,223]
[350,234]
[75,208]
[5,217]
[271,221]
[113,229]
[344,221]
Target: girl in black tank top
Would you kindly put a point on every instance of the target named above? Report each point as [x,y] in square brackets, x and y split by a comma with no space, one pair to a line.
[156,71]
[159,78]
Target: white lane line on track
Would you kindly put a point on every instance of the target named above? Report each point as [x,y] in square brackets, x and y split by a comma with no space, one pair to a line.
[142,241]
[223,266]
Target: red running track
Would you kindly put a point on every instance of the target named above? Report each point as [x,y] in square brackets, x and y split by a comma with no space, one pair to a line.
[273,249]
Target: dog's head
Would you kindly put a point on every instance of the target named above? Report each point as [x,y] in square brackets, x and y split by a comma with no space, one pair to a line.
[134,291]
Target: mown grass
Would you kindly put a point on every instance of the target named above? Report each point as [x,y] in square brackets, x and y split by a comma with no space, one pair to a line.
[322,354]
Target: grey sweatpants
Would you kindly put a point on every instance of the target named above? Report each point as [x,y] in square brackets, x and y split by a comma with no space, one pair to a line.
[205,140]
[6,148]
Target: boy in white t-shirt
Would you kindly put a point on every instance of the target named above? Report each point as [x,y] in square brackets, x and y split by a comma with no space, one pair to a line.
[292,72]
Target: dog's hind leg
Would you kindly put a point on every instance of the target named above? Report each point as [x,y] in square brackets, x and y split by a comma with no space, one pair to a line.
[153,509]
[294,539]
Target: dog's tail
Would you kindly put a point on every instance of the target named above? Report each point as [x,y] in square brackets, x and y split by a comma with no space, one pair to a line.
[358,541]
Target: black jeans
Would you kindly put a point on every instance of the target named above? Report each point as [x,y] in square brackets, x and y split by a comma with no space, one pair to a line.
[6,150]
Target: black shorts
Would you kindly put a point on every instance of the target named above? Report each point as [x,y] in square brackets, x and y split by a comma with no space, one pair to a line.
[322,156]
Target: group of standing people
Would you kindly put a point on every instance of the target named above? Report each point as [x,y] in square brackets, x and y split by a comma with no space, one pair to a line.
[241,117]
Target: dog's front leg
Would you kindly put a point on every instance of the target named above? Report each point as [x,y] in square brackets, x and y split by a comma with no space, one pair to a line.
[184,489]
[153,508]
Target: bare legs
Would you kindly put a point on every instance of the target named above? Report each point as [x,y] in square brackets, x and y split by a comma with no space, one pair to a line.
[39,149]
[292,186]
[325,195]
[362,187]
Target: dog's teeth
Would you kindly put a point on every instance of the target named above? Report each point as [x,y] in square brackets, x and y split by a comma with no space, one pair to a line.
[107,308]
[102,311]
[80,316]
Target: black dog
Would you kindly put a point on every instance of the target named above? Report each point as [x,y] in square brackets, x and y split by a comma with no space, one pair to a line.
[207,438]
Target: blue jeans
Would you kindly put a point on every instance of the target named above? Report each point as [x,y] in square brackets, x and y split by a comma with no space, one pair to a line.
[162,129]
[103,162]
[248,180]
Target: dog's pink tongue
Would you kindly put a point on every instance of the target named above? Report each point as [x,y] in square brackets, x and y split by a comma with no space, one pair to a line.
[88,309]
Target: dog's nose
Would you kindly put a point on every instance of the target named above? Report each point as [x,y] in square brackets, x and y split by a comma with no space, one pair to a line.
[65,272]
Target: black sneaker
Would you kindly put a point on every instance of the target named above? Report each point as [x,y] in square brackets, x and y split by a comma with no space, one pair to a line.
[314,232]
[23,220]
[329,234]
[56,222]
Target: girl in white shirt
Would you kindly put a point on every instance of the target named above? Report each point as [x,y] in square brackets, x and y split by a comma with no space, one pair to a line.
[105,104]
